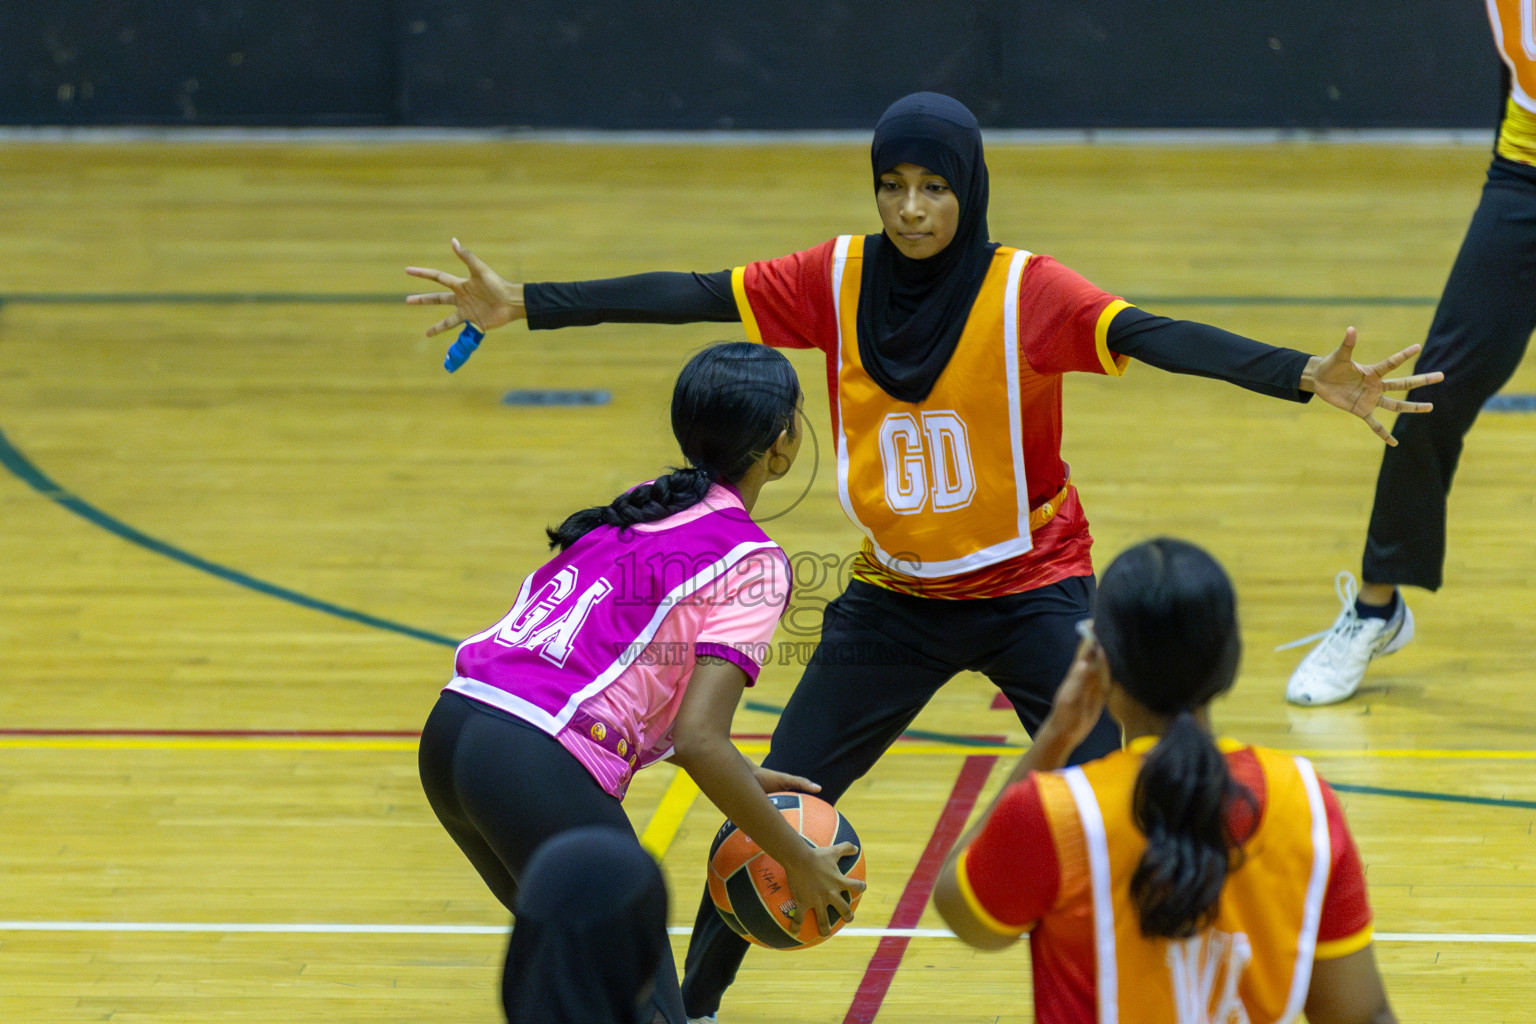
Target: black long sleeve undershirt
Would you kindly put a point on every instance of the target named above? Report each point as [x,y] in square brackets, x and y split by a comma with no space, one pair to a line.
[656,298]
[1178,346]
[1188,346]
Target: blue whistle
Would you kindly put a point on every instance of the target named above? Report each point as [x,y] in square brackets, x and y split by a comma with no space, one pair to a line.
[460,351]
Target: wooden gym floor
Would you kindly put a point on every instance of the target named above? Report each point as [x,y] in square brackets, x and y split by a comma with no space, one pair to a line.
[246,516]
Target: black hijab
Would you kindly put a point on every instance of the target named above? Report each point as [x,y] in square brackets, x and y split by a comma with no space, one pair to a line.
[590,931]
[912,312]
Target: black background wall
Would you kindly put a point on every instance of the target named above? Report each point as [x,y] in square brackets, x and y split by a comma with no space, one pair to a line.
[711,64]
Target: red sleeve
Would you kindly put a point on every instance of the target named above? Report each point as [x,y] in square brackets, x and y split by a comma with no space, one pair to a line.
[789,300]
[1346,918]
[1064,320]
[1010,872]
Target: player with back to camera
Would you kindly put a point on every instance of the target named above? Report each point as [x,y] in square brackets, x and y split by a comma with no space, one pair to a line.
[1186,878]
[1478,336]
[591,931]
[945,354]
[552,709]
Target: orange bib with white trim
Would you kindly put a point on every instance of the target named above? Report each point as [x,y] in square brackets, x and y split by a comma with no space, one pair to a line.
[1254,963]
[1514,33]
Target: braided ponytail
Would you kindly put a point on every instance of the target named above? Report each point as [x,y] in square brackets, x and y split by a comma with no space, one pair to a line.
[665,496]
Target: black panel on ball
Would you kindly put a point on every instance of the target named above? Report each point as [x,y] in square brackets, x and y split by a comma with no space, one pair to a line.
[755,917]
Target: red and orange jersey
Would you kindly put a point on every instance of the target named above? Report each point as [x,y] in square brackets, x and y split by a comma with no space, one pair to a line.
[963,494]
[1057,856]
[1514,33]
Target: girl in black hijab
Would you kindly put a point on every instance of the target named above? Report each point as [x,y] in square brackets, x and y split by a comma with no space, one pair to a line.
[944,370]
[591,926]
[912,311]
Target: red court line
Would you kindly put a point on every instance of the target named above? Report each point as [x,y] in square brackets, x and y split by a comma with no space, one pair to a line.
[224,733]
[909,909]
[329,734]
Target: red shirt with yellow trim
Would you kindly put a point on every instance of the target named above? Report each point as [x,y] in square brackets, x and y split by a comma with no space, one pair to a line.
[1514,24]
[1028,870]
[1063,322]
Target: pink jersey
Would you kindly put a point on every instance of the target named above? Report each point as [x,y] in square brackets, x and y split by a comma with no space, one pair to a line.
[599,646]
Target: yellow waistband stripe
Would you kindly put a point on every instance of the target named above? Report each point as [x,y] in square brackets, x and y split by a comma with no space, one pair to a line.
[1517,134]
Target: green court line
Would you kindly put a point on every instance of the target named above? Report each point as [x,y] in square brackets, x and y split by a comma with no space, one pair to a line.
[913,734]
[196,298]
[27,472]
[1287,300]
[1407,794]
[364,298]
[1444,798]
[35,478]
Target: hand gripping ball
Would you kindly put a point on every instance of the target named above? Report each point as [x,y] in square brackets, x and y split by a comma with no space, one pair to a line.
[749,887]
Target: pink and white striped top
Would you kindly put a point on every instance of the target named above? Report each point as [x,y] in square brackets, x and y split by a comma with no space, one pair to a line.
[598,649]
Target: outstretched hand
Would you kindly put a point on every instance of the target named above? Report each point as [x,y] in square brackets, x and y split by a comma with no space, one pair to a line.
[482,298]
[1360,390]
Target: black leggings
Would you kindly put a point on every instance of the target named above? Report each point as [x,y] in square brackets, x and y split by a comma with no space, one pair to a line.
[882,657]
[501,787]
[1478,337]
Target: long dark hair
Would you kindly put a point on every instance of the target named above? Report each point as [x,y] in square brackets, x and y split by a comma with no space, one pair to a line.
[731,402]
[1166,616]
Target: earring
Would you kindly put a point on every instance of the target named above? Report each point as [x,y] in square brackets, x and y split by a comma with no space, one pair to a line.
[775,470]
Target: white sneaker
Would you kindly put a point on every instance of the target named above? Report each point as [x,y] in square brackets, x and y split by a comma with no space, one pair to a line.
[1332,671]
[703,1020]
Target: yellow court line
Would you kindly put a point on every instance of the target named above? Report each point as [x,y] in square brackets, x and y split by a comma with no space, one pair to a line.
[681,793]
[916,747]
[674,806]
[343,744]
[1434,755]
[1385,752]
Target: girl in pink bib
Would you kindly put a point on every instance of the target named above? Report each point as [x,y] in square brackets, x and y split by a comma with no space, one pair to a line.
[633,645]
